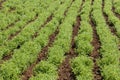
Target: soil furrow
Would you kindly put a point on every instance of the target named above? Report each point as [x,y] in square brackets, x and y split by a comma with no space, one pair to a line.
[65,13]
[12,9]
[65,70]
[95,53]
[116,14]
[113,10]
[42,56]
[17,32]
[1,3]
[43,25]
[92,2]
[10,25]
[9,56]
[110,24]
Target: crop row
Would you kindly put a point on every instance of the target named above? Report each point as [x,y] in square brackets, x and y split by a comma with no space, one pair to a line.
[116,4]
[111,17]
[109,63]
[82,65]
[26,33]
[25,22]
[38,35]
[29,51]
[22,11]
[47,69]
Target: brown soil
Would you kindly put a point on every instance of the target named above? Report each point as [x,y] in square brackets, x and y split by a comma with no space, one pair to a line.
[92,2]
[42,56]
[12,24]
[68,8]
[110,24]
[17,32]
[1,3]
[43,25]
[119,46]
[115,13]
[95,53]
[65,70]
[1,62]
[7,57]
[81,6]
[12,9]
[48,20]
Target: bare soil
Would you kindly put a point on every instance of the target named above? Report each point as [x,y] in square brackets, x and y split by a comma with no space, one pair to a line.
[42,56]
[65,13]
[1,3]
[65,70]
[110,24]
[17,32]
[9,56]
[95,53]
[116,14]
[10,25]
[43,25]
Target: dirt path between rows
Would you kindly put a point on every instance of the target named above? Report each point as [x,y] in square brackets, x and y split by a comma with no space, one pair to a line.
[95,54]
[65,70]
[110,24]
[1,3]
[43,25]
[43,54]
[10,25]
[17,32]
[113,10]
[9,56]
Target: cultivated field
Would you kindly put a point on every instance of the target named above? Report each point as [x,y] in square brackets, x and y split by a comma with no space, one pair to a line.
[59,39]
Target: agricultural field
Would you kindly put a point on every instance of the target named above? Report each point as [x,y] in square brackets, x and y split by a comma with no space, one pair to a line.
[59,39]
